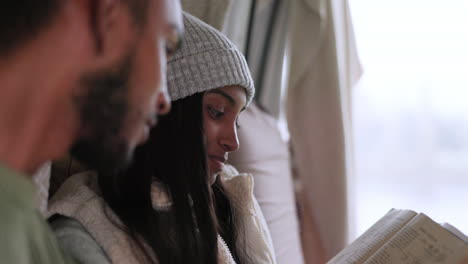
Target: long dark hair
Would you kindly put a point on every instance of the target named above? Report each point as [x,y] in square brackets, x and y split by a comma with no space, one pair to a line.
[175,157]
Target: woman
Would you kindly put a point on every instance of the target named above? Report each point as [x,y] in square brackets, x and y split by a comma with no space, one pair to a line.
[178,202]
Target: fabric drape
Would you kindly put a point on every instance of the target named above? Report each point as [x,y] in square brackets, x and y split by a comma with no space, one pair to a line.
[211,12]
[319,115]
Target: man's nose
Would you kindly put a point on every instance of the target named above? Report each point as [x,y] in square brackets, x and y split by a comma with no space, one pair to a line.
[163,103]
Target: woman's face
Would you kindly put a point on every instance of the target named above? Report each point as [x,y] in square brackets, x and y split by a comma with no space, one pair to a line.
[221,109]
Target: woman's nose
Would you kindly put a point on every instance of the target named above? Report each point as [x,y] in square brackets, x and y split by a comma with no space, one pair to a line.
[230,141]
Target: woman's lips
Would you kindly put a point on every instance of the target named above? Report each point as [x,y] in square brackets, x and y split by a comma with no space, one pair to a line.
[217,161]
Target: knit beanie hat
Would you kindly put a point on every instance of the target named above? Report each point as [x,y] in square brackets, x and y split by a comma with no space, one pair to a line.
[207,60]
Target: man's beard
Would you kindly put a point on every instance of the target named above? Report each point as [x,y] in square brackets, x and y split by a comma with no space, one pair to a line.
[103,109]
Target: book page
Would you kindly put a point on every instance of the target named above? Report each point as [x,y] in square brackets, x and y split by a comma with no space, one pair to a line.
[421,241]
[455,231]
[369,242]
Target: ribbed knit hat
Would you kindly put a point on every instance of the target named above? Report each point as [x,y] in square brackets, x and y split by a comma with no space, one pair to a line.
[207,60]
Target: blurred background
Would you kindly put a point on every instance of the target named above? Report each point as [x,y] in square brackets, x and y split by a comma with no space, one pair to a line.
[410,110]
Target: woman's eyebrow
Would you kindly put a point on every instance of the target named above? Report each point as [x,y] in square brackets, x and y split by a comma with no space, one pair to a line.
[227,96]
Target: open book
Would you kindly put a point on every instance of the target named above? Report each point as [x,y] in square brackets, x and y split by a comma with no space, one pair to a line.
[403,236]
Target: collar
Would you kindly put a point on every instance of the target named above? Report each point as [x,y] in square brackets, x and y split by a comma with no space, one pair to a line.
[16,187]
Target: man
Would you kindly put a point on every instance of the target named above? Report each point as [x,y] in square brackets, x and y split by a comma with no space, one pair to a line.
[86,75]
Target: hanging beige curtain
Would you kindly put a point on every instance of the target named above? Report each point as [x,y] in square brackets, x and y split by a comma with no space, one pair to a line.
[212,12]
[318,113]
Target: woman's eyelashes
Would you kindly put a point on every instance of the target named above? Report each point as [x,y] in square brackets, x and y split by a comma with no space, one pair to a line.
[215,113]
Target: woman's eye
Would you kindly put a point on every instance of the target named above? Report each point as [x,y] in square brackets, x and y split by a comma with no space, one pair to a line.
[216,114]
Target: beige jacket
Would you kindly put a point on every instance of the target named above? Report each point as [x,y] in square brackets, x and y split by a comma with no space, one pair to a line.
[80,198]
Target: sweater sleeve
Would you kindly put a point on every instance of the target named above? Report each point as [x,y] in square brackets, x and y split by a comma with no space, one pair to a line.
[77,242]
[263,247]
[255,237]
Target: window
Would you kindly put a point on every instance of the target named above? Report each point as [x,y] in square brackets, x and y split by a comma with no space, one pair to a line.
[411,110]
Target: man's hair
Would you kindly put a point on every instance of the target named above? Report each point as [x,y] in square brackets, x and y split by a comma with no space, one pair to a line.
[22,20]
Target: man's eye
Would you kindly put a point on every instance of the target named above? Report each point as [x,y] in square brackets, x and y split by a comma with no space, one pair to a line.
[173,41]
[216,114]
[170,50]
